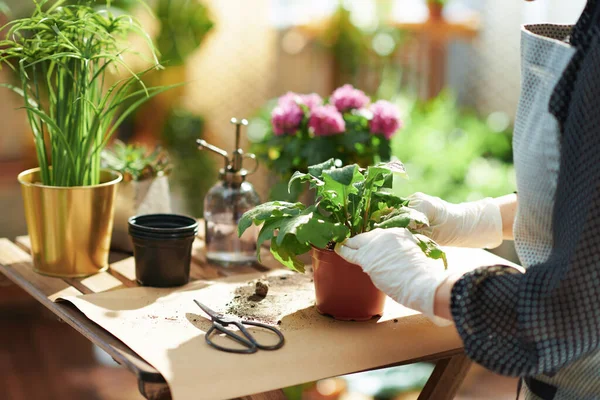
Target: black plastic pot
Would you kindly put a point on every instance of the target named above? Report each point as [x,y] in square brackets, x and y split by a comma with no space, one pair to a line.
[162,248]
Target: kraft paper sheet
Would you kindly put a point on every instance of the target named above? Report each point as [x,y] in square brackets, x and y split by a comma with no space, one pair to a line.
[166,328]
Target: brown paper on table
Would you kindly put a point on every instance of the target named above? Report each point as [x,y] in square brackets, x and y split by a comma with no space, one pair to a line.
[166,328]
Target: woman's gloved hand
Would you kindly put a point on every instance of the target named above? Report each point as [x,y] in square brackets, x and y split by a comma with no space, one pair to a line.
[398,267]
[472,224]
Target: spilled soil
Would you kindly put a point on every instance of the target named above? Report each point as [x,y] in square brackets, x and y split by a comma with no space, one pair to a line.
[270,299]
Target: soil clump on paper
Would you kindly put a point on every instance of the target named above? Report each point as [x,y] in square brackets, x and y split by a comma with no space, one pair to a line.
[283,295]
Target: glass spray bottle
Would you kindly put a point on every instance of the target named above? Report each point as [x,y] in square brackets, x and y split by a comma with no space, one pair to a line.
[225,203]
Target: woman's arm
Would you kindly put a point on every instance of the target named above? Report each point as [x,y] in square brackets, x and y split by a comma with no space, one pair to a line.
[441,302]
[526,324]
[508,211]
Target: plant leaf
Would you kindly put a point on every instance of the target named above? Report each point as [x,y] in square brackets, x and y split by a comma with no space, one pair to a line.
[431,249]
[287,252]
[390,199]
[378,215]
[310,227]
[20,92]
[304,178]
[395,167]
[267,210]
[403,218]
[340,184]
[345,176]
[317,170]
[267,232]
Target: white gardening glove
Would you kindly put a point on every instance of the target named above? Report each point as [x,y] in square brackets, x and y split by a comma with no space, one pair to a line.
[398,267]
[473,224]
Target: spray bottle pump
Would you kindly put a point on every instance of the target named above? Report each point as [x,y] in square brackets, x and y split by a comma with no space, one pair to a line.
[233,170]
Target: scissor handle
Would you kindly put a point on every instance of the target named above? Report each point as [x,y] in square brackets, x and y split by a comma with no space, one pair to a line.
[276,331]
[246,340]
[250,346]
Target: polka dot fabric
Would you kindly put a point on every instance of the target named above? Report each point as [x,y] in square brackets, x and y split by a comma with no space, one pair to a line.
[545,323]
[536,139]
[583,34]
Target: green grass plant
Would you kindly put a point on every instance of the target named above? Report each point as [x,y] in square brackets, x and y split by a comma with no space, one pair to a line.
[65,55]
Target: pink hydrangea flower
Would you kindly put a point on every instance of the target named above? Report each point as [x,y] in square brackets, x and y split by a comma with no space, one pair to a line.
[326,120]
[347,97]
[286,117]
[386,119]
[289,99]
[311,100]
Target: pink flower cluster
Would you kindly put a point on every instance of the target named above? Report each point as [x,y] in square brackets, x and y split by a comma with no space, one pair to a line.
[386,119]
[326,120]
[288,114]
[347,98]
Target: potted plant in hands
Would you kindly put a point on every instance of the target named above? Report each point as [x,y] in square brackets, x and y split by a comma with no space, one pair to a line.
[145,186]
[62,55]
[350,201]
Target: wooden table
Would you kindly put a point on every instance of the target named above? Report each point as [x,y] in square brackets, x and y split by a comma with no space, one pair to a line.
[15,263]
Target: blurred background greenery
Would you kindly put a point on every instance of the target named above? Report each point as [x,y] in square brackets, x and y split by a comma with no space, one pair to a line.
[453,152]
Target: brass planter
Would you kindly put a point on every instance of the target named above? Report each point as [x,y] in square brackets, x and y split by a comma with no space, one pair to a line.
[69,227]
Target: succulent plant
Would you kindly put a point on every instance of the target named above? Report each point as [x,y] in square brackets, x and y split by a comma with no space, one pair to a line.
[135,161]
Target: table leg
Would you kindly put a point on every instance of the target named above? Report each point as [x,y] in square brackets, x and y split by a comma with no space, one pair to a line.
[160,391]
[272,395]
[446,378]
[154,391]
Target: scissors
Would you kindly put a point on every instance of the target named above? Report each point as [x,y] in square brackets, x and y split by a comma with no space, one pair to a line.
[220,322]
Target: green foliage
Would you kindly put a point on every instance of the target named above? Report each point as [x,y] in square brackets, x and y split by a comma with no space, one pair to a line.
[431,249]
[287,153]
[350,201]
[358,52]
[284,154]
[62,54]
[136,162]
[194,172]
[184,24]
[453,153]
[346,41]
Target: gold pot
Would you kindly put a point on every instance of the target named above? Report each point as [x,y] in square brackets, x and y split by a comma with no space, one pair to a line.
[69,227]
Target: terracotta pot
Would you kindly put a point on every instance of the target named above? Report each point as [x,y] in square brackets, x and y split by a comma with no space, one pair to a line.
[343,290]
[435,11]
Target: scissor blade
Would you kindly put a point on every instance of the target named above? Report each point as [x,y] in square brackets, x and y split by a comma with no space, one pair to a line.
[211,313]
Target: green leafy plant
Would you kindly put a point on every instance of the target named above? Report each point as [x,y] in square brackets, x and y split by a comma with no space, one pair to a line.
[63,54]
[135,161]
[350,201]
